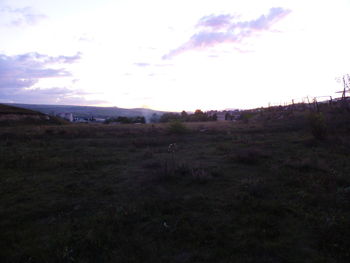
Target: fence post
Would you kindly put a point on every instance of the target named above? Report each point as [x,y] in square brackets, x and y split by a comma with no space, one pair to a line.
[316,105]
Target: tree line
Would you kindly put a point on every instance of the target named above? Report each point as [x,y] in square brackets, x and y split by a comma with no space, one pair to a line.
[197,116]
[123,119]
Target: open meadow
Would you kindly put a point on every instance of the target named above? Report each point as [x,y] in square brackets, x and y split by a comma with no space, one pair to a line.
[267,191]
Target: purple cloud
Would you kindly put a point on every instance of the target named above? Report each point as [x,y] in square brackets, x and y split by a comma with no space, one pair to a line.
[21,16]
[19,73]
[34,57]
[264,22]
[66,59]
[215,22]
[56,95]
[23,71]
[217,29]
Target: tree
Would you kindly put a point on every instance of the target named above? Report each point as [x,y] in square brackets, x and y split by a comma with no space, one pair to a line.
[198,112]
[166,117]
[199,116]
[184,116]
[154,118]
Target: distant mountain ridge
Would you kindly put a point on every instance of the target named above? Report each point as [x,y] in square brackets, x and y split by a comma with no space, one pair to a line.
[88,111]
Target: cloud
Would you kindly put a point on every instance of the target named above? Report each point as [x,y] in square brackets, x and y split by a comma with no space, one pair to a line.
[66,59]
[86,38]
[164,65]
[215,22]
[218,29]
[33,57]
[19,73]
[142,64]
[20,16]
[25,70]
[56,95]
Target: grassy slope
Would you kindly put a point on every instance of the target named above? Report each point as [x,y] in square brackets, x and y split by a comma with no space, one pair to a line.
[7,109]
[26,117]
[264,192]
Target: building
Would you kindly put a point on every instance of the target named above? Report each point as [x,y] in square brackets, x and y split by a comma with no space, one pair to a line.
[226,115]
[66,116]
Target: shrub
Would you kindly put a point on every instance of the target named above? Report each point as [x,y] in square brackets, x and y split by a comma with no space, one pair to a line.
[177,127]
[318,125]
[245,117]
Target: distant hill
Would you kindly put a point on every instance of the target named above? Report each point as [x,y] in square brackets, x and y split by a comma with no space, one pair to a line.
[12,115]
[88,111]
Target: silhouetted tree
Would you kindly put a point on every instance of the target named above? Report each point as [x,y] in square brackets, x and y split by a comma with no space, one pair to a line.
[125,120]
[184,116]
[198,112]
[199,116]
[166,117]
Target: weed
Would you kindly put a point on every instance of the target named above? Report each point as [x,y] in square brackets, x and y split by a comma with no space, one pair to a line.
[177,127]
[200,175]
[318,125]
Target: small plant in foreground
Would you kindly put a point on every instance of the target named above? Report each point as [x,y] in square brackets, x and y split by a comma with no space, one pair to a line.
[177,127]
[172,149]
[318,126]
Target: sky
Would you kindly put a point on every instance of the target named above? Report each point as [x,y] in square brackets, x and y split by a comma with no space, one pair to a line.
[172,55]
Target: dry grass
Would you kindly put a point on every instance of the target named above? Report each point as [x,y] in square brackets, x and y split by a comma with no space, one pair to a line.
[228,192]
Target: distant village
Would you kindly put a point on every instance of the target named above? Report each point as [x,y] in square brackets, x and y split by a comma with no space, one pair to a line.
[212,115]
[71,118]
[198,115]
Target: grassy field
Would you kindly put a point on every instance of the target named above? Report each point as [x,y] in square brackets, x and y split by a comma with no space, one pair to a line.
[263,191]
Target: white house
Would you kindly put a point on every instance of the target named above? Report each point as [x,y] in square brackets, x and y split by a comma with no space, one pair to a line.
[66,116]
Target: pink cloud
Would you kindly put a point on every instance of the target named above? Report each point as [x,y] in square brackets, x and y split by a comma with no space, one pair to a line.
[21,16]
[215,22]
[23,71]
[220,29]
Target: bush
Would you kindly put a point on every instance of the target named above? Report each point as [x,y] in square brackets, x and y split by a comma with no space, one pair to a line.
[177,127]
[245,117]
[318,126]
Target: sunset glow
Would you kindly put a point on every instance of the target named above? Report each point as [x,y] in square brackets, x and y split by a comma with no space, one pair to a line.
[172,55]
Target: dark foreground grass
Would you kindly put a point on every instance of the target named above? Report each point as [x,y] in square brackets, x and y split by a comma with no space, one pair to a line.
[225,193]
